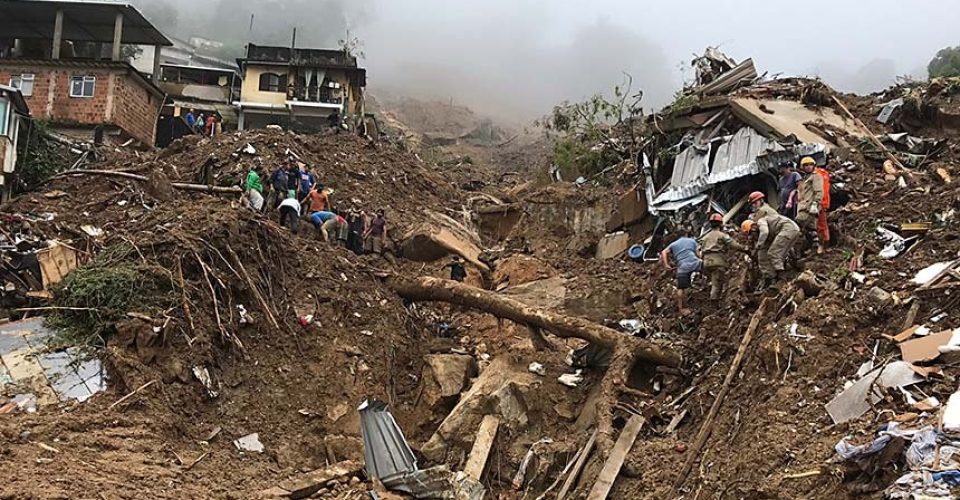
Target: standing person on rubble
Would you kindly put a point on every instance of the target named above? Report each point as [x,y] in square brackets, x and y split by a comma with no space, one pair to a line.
[356,221]
[318,199]
[293,179]
[683,251]
[375,237]
[290,214]
[813,202]
[254,188]
[278,187]
[787,186]
[713,247]
[210,126]
[191,120]
[307,181]
[777,235]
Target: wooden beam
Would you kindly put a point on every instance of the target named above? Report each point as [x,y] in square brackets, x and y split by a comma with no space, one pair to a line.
[707,428]
[577,467]
[155,78]
[611,469]
[481,447]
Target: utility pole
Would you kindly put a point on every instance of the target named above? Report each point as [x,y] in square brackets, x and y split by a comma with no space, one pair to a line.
[251,23]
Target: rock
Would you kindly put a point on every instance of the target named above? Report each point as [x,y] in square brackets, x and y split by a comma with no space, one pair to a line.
[613,245]
[447,376]
[502,389]
[314,481]
[880,296]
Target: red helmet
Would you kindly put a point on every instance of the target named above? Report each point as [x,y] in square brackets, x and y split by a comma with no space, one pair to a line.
[716,218]
[756,196]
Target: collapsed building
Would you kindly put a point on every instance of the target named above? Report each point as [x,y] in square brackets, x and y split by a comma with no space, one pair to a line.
[722,139]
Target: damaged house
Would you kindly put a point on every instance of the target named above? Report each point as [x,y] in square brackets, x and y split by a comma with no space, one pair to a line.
[724,138]
[308,88]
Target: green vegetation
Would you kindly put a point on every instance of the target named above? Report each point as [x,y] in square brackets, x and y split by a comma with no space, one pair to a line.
[42,159]
[96,295]
[946,63]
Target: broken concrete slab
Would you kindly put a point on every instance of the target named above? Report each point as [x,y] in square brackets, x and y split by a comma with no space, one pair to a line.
[438,236]
[631,209]
[311,482]
[785,117]
[613,245]
[250,442]
[502,389]
[853,401]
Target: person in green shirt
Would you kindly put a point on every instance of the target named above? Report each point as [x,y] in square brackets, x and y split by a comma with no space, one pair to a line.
[253,187]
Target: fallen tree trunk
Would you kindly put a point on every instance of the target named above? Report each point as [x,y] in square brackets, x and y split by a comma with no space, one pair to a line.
[439,290]
[142,178]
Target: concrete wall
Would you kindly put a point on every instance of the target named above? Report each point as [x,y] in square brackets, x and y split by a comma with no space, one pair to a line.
[250,91]
[119,99]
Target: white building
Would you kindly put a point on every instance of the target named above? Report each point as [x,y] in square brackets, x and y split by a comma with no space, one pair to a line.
[13,113]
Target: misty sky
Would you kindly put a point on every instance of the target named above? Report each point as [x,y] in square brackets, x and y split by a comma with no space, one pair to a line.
[519,57]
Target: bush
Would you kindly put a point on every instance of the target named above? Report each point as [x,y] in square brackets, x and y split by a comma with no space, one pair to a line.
[945,64]
[42,159]
[102,292]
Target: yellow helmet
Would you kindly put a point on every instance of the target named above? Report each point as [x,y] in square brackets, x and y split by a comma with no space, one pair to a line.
[746,226]
[807,161]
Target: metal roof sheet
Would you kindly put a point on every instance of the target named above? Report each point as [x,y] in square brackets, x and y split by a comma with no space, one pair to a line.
[91,21]
[386,453]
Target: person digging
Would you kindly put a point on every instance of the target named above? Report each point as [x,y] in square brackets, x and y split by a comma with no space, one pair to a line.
[683,252]
[713,248]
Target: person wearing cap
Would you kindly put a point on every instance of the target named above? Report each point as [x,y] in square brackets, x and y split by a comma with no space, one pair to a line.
[683,252]
[713,248]
[787,186]
[813,201]
[776,236]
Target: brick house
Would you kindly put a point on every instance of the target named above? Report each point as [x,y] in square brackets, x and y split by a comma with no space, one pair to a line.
[54,52]
[76,96]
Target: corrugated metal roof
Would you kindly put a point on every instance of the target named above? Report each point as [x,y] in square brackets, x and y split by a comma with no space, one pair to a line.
[745,153]
[386,453]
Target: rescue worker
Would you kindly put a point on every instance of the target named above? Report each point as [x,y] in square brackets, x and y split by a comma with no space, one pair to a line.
[777,235]
[787,186]
[813,202]
[759,205]
[713,247]
[684,254]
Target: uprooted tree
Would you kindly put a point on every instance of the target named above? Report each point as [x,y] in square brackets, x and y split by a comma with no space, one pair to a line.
[626,350]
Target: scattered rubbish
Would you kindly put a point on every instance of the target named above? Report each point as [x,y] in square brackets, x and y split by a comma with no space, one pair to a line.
[928,274]
[632,326]
[537,368]
[890,110]
[635,253]
[927,348]
[250,442]
[92,231]
[951,413]
[312,482]
[56,193]
[249,149]
[928,404]
[571,379]
[368,333]
[203,375]
[519,477]
[306,320]
[23,403]
[245,318]
[894,244]
[856,399]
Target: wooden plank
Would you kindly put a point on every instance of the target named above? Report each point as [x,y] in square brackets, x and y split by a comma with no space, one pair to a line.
[611,469]
[577,467]
[481,447]
[55,263]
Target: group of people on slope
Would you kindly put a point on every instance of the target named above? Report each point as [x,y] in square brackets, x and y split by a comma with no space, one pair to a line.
[294,193]
[769,235]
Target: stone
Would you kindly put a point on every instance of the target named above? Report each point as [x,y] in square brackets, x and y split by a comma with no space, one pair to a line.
[613,245]
[313,482]
[447,376]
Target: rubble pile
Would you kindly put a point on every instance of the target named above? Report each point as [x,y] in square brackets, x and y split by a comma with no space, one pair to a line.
[245,361]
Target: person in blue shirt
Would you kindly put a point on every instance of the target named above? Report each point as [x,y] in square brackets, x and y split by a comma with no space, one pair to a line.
[191,119]
[307,181]
[683,252]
